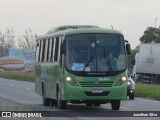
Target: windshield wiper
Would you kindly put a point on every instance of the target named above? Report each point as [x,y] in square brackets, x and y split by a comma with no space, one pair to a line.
[88,63]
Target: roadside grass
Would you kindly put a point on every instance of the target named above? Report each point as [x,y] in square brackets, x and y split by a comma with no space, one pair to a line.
[147,91]
[18,75]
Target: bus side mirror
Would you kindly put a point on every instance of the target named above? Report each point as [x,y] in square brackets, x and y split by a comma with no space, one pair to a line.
[128,48]
[62,48]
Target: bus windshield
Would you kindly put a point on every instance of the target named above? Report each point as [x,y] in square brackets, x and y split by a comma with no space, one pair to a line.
[95,53]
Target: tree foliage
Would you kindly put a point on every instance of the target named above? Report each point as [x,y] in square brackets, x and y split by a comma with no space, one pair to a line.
[151,35]
[27,41]
[6,42]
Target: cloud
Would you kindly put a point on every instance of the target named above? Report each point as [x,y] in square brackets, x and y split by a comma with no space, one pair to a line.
[130,17]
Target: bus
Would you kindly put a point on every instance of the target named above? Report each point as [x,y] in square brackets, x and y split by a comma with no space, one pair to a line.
[81,64]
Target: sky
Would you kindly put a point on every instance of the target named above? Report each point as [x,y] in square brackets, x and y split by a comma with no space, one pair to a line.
[131,17]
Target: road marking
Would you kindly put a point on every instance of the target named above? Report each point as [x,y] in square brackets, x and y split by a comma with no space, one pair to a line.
[125,108]
[6,97]
[28,88]
[148,100]
[11,85]
[20,102]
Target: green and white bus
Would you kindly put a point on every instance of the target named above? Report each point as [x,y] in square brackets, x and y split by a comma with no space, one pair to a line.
[81,64]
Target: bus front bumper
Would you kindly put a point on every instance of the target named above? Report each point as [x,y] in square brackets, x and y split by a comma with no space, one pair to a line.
[98,93]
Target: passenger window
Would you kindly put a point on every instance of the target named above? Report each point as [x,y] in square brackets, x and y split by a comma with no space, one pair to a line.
[56,49]
[43,50]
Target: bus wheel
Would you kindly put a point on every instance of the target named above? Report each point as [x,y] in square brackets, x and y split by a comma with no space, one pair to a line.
[46,101]
[115,104]
[88,104]
[61,104]
[53,102]
[97,104]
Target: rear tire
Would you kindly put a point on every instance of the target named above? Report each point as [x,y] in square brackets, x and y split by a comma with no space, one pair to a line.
[115,104]
[46,101]
[62,104]
[53,102]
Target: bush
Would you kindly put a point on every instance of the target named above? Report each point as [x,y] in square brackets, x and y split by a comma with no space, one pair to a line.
[18,75]
[147,91]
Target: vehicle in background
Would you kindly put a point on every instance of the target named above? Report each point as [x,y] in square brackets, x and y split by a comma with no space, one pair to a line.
[130,87]
[147,64]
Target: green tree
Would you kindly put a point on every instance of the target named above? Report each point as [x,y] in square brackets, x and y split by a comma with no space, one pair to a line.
[6,42]
[151,35]
[27,41]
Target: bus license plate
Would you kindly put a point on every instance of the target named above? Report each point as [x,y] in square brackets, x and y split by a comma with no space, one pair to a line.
[97,91]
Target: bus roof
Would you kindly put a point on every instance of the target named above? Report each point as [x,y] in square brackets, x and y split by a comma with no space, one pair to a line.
[69,27]
[73,29]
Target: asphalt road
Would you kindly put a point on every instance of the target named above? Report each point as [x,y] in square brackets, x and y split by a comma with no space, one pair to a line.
[18,95]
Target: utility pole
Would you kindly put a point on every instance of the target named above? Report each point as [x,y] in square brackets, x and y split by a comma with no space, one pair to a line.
[112,26]
[156,21]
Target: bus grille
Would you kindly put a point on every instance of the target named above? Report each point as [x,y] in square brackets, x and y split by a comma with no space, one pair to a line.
[96,84]
[105,93]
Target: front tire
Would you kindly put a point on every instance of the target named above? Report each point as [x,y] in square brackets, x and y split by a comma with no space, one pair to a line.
[88,104]
[61,104]
[115,104]
[97,104]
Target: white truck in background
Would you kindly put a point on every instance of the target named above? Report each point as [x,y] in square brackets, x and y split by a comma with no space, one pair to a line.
[147,63]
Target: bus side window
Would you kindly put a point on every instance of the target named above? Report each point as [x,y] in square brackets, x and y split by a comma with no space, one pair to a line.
[61,52]
[37,51]
[48,46]
[56,49]
[59,48]
[43,50]
[46,50]
[50,50]
[53,49]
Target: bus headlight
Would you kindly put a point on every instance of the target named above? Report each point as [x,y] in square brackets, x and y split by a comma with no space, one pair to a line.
[121,81]
[71,81]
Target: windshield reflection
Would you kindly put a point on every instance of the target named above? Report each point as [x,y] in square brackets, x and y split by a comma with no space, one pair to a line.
[95,52]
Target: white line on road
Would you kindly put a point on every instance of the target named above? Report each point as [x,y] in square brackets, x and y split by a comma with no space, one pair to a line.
[6,97]
[28,88]
[125,108]
[149,100]
[11,85]
[21,102]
